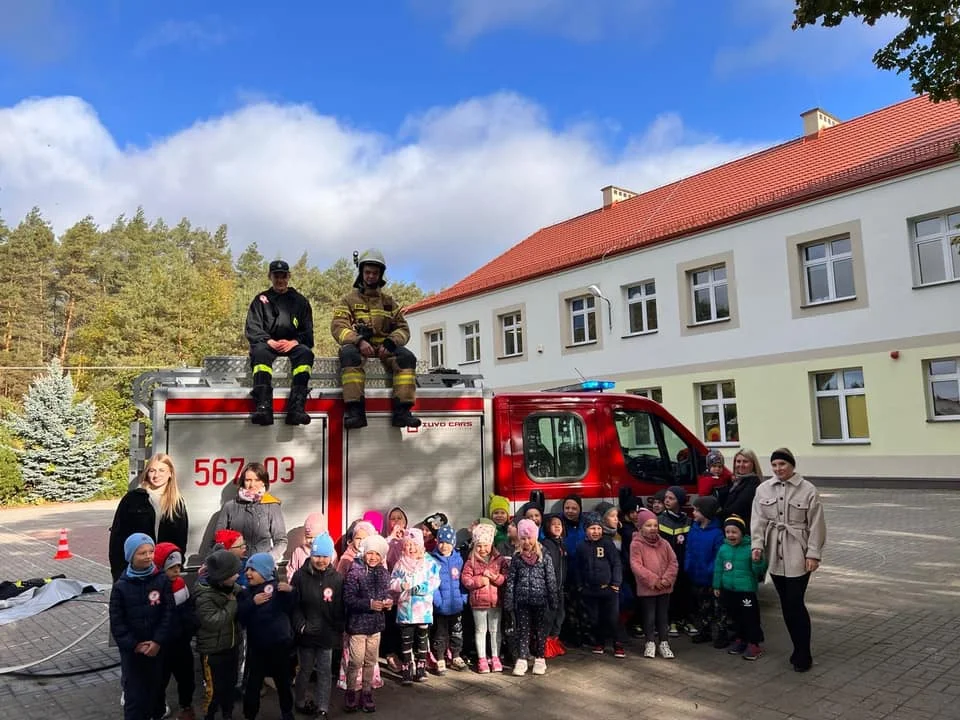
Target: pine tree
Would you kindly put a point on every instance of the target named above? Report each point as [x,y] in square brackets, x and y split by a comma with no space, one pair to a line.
[61,458]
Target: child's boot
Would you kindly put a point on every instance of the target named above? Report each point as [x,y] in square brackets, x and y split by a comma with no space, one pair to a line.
[366,702]
[351,701]
[421,671]
[406,675]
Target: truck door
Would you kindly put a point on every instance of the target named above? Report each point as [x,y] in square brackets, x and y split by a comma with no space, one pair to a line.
[655,454]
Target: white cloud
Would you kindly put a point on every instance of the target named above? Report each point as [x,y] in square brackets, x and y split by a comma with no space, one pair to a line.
[451,189]
[196,34]
[771,44]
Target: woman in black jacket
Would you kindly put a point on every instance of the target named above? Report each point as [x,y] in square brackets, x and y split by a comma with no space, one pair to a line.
[154,508]
[737,498]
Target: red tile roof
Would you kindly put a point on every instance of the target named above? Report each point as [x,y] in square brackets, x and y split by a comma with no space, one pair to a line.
[895,140]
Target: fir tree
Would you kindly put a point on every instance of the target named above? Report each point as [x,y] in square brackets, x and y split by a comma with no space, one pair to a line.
[61,458]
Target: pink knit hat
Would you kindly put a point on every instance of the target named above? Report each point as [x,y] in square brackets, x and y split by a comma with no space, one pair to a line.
[364,525]
[527,529]
[415,534]
[483,534]
[375,519]
[315,524]
[643,516]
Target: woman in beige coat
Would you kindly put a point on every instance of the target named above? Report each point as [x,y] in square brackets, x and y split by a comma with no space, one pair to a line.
[788,528]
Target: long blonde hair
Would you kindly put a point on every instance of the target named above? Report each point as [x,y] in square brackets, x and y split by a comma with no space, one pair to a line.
[171,501]
[752,457]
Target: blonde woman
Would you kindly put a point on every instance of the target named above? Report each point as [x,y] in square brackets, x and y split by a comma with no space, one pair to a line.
[737,497]
[154,508]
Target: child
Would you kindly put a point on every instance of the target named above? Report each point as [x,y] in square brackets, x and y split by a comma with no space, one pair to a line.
[233,541]
[390,641]
[312,527]
[141,622]
[498,510]
[317,622]
[674,526]
[735,579]
[218,632]
[397,524]
[448,601]
[599,575]
[361,529]
[366,595]
[414,580]
[530,593]
[630,506]
[483,574]
[553,545]
[655,502]
[264,610]
[703,542]
[509,546]
[716,478]
[177,657]
[654,566]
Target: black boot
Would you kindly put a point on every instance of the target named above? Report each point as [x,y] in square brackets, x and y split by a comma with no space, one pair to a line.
[355,416]
[263,405]
[402,416]
[296,415]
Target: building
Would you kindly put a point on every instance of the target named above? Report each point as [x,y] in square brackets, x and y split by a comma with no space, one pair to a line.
[807,295]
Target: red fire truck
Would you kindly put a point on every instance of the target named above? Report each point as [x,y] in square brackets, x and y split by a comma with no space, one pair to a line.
[473,442]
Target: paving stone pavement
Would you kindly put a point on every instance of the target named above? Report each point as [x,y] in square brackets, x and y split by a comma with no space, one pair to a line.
[884,606]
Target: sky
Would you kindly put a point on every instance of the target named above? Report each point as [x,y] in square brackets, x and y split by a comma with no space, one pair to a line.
[441,131]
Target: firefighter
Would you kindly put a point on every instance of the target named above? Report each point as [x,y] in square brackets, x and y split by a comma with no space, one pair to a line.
[280,322]
[369,323]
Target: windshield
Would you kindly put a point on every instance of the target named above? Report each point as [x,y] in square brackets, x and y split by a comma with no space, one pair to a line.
[651,449]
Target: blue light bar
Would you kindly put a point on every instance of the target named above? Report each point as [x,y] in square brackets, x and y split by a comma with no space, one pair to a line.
[597,384]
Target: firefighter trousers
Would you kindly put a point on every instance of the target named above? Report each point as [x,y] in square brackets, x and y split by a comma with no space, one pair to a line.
[401,366]
[301,361]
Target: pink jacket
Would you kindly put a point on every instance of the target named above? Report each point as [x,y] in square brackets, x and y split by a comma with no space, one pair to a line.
[652,563]
[346,560]
[484,596]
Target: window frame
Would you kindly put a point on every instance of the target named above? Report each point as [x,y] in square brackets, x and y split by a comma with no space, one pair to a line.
[588,310]
[930,379]
[711,285]
[829,260]
[437,344]
[516,330]
[556,415]
[842,393]
[721,402]
[945,238]
[470,335]
[648,392]
[686,310]
[643,299]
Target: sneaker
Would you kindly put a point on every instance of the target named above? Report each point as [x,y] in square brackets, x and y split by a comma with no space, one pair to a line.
[441,667]
[520,668]
[691,630]
[394,664]
[496,665]
[482,666]
[752,652]
[650,650]
[618,651]
[665,651]
[738,648]
[539,666]
[351,701]
[674,630]
[366,701]
[597,649]
[458,664]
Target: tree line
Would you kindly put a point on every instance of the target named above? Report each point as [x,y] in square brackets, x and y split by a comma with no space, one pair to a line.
[137,294]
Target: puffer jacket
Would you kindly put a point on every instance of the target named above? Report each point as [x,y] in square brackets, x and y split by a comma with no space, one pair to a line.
[415,604]
[261,524]
[531,585]
[735,569]
[449,598]
[482,597]
[373,308]
[652,562]
[362,585]
[267,625]
[598,565]
[141,609]
[317,606]
[702,546]
[674,528]
[216,608]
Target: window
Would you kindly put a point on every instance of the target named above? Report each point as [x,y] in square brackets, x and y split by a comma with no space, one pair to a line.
[710,300]
[936,248]
[841,403]
[943,386]
[555,446]
[828,271]
[642,307]
[435,348]
[512,327]
[471,342]
[652,450]
[651,393]
[718,413]
[583,320]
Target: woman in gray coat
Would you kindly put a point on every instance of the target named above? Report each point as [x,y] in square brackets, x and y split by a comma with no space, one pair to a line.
[256,514]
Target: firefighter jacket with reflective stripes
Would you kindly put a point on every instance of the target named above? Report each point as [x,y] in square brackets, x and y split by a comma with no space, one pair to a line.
[374,309]
[280,316]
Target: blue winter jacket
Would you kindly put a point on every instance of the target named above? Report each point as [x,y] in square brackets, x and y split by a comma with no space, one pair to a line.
[268,625]
[141,609]
[702,547]
[449,598]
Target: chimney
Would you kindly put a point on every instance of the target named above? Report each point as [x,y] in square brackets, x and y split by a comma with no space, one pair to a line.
[612,194]
[816,120]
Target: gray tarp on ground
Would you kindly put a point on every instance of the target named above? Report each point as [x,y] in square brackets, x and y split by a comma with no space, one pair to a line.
[36,600]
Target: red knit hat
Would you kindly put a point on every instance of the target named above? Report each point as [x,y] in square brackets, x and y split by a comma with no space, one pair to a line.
[226,538]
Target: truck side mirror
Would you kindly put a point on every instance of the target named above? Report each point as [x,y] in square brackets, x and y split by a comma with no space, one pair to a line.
[538,499]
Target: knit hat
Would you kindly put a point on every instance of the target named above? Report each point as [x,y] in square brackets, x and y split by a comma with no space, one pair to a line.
[483,533]
[131,544]
[575,498]
[629,502]
[315,524]
[526,507]
[166,555]
[714,457]
[264,564]
[592,518]
[679,493]
[363,525]
[435,522]
[645,515]
[322,546]
[374,543]
[488,522]
[736,521]
[783,454]
[707,505]
[498,502]
[603,508]
[527,529]
[415,534]
[447,534]
[221,564]
[226,538]
[660,495]
[375,519]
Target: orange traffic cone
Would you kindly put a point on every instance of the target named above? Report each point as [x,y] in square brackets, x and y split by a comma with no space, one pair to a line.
[63,547]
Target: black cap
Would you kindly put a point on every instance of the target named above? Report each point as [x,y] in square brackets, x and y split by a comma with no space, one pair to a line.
[279,266]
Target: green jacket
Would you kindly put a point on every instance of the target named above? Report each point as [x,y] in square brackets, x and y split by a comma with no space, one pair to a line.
[217,619]
[735,569]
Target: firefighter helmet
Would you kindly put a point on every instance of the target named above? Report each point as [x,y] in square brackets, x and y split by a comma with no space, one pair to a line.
[371,256]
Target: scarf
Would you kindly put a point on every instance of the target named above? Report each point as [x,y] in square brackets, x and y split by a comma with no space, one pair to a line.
[650,541]
[410,564]
[250,496]
[146,572]
[530,557]
[155,497]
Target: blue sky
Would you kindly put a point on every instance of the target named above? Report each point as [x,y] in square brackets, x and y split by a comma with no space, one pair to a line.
[403,123]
